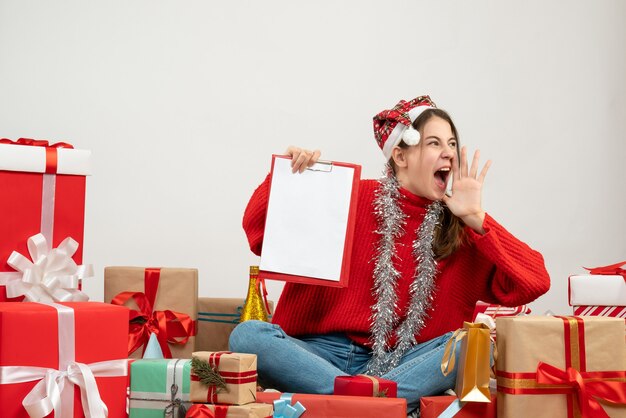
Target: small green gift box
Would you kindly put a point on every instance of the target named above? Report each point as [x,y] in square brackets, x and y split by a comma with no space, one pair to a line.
[159,387]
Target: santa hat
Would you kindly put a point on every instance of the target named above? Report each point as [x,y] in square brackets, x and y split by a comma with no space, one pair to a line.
[391,126]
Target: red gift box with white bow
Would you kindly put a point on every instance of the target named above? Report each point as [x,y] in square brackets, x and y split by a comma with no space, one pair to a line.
[68,359]
[43,187]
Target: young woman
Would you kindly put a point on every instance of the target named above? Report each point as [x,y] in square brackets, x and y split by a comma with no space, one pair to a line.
[421,259]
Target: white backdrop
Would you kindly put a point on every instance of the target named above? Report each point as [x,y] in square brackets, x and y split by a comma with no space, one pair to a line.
[182,104]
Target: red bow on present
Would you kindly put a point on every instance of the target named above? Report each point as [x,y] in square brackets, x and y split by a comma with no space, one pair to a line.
[35,143]
[587,392]
[51,150]
[169,326]
[203,411]
[612,269]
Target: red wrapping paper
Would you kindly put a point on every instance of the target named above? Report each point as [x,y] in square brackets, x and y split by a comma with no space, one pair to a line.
[364,386]
[29,337]
[21,217]
[433,406]
[337,406]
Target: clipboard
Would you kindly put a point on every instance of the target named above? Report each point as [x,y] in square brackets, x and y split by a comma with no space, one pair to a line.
[310,223]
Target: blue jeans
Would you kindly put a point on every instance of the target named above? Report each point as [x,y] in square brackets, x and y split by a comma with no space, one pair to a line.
[309,364]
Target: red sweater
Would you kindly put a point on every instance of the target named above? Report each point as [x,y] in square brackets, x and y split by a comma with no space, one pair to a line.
[495,267]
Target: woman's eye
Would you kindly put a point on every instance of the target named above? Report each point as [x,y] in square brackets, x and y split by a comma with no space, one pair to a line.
[452,144]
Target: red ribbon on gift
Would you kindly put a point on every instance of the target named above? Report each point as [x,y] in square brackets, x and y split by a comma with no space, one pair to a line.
[607,270]
[574,382]
[586,391]
[169,326]
[51,150]
[36,143]
[203,411]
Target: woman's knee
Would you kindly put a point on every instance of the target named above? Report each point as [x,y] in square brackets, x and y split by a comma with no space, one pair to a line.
[245,337]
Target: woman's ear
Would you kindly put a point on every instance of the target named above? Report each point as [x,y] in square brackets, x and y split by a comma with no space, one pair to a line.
[399,157]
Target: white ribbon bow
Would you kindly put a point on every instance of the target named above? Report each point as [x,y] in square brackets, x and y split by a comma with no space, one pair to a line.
[481,318]
[51,276]
[46,397]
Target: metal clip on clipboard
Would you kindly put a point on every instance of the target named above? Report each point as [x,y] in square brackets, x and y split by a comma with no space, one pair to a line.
[322,165]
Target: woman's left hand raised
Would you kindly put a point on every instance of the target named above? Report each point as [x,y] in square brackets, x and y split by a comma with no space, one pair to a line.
[465,201]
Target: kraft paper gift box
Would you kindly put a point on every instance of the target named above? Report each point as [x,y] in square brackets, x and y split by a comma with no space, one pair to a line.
[70,343]
[217,317]
[236,372]
[45,187]
[162,301]
[451,406]
[251,410]
[338,406]
[159,387]
[560,366]
[364,385]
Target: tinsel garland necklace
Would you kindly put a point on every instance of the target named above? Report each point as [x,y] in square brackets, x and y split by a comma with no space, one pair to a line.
[391,221]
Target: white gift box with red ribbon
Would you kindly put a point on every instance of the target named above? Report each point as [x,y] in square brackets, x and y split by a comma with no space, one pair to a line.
[597,290]
[603,286]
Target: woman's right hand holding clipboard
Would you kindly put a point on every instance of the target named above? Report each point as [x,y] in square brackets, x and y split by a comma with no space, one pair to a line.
[301,158]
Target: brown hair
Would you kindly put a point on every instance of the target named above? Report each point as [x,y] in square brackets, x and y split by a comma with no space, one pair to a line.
[450,233]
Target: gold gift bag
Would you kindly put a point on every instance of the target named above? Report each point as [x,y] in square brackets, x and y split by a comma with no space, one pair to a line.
[472,378]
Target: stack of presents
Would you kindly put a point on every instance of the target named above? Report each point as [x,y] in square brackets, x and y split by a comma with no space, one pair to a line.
[155,349]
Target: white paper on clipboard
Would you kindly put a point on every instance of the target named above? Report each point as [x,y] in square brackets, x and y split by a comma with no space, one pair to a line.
[307,220]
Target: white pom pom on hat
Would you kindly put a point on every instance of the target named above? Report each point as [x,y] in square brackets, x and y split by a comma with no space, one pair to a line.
[411,136]
[393,125]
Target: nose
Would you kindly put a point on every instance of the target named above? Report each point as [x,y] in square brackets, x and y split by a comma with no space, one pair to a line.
[448,152]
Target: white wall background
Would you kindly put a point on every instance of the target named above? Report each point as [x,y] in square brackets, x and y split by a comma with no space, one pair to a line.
[183,103]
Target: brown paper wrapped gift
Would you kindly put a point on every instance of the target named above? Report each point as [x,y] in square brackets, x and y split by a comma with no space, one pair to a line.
[560,366]
[223,377]
[217,317]
[162,301]
[251,410]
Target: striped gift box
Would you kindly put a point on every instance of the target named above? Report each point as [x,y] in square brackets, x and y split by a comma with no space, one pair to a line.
[237,372]
[497,311]
[613,311]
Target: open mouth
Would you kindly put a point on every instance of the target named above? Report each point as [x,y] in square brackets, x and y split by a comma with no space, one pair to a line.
[441,177]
